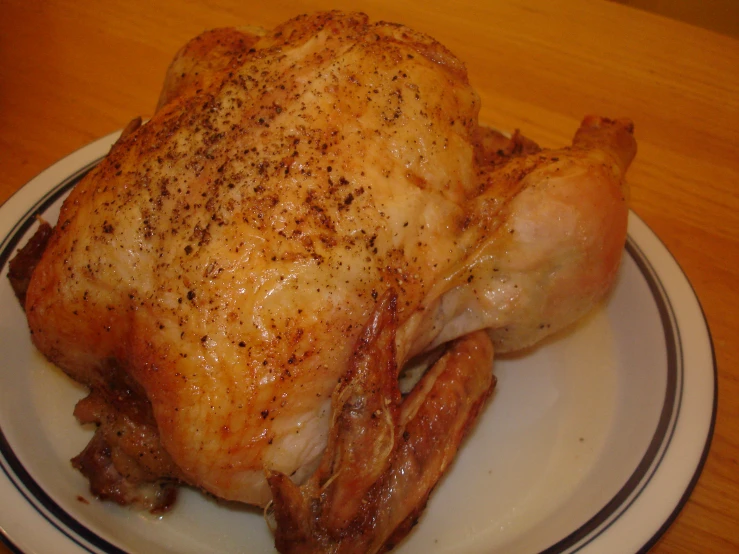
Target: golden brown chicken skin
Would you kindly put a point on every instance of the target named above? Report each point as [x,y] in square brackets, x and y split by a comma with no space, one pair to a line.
[210,279]
[385,453]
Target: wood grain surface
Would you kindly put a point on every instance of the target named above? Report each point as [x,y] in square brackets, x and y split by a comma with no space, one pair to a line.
[73,71]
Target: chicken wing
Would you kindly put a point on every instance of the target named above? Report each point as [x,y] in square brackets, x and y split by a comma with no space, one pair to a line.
[384,454]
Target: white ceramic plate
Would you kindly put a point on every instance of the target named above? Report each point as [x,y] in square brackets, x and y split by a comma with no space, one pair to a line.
[592,443]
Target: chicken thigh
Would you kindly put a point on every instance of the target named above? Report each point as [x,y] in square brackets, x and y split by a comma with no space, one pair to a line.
[210,279]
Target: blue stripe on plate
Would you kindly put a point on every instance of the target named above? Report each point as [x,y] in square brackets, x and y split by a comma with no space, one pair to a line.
[652,458]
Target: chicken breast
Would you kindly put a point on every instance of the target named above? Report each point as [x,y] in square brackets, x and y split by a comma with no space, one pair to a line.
[210,279]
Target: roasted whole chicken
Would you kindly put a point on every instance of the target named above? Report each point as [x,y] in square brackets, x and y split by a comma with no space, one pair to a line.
[243,279]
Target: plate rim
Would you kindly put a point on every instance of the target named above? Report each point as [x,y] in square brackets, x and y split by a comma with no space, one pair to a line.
[47,186]
[714,407]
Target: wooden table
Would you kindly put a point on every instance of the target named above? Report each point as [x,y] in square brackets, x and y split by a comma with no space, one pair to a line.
[72,71]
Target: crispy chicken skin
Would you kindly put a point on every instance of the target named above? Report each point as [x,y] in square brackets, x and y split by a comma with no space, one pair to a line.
[209,280]
[384,454]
